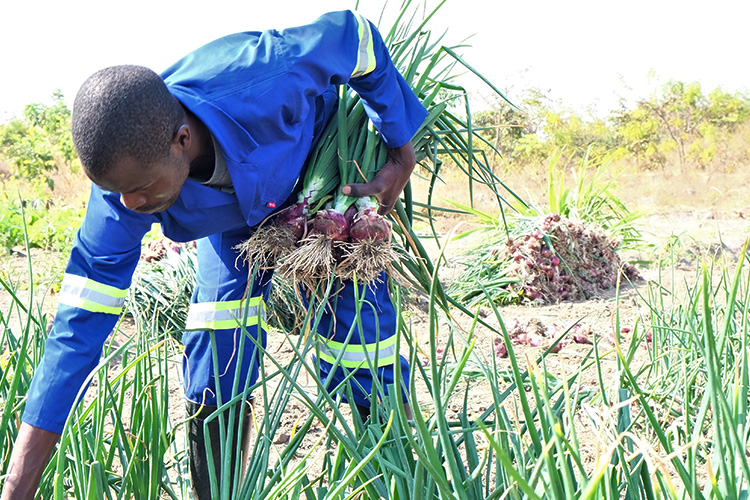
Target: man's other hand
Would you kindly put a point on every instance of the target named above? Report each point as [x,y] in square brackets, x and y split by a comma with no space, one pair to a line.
[389,181]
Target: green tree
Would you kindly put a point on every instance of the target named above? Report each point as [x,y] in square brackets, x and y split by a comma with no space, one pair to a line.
[637,132]
[727,111]
[36,144]
[569,130]
[513,130]
[530,134]
[680,110]
[680,118]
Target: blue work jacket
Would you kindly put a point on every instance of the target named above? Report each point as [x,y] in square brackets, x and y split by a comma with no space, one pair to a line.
[256,92]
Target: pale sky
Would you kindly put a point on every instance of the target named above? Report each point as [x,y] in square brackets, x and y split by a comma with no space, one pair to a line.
[583,53]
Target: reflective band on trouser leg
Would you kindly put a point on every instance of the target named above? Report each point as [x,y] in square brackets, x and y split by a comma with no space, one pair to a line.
[366,52]
[229,323]
[89,295]
[370,354]
[226,315]
[356,356]
[221,302]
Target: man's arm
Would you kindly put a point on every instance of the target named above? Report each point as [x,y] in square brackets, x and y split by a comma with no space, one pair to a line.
[31,452]
[345,48]
[90,301]
[348,49]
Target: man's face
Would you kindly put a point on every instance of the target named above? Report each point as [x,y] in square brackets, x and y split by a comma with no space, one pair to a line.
[147,189]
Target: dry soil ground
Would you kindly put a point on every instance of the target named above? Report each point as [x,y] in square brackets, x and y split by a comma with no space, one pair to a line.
[699,232]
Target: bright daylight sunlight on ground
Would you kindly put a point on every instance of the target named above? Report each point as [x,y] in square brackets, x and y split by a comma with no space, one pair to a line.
[554,307]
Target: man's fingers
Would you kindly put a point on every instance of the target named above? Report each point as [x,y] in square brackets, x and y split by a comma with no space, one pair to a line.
[359,190]
[384,210]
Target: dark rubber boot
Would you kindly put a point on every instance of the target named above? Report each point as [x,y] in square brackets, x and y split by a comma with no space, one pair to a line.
[364,412]
[199,463]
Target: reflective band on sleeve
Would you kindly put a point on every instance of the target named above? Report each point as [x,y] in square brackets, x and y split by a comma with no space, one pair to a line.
[226,315]
[87,294]
[366,52]
[356,355]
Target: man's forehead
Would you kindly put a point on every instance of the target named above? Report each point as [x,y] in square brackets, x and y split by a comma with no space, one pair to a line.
[126,175]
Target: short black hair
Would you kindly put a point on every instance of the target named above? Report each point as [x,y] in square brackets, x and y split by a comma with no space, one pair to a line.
[123,111]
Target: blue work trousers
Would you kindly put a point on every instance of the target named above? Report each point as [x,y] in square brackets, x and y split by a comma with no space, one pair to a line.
[222,283]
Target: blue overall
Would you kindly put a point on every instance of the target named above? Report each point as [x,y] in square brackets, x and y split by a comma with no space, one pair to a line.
[264,96]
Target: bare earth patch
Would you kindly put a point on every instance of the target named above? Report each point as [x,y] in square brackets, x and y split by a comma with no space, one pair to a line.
[685,236]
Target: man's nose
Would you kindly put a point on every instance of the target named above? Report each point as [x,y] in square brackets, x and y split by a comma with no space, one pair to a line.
[133,200]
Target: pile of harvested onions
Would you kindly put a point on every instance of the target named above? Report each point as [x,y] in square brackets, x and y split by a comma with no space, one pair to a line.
[547,260]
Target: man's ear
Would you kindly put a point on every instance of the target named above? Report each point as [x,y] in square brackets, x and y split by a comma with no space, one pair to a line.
[183,137]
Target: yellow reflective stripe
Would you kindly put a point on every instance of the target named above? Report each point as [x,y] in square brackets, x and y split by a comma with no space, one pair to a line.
[90,295]
[356,355]
[366,49]
[371,348]
[226,305]
[226,315]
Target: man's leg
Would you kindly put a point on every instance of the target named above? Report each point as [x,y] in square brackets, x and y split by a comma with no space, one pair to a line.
[197,429]
[221,302]
[369,354]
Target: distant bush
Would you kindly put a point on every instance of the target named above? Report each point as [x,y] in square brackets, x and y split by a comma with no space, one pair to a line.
[39,142]
[35,147]
[50,226]
[679,121]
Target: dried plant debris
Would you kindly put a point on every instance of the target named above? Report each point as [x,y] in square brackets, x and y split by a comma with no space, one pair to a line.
[159,247]
[534,333]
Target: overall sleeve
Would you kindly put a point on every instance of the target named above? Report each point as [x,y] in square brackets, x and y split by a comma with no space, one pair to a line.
[344,47]
[98,274]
